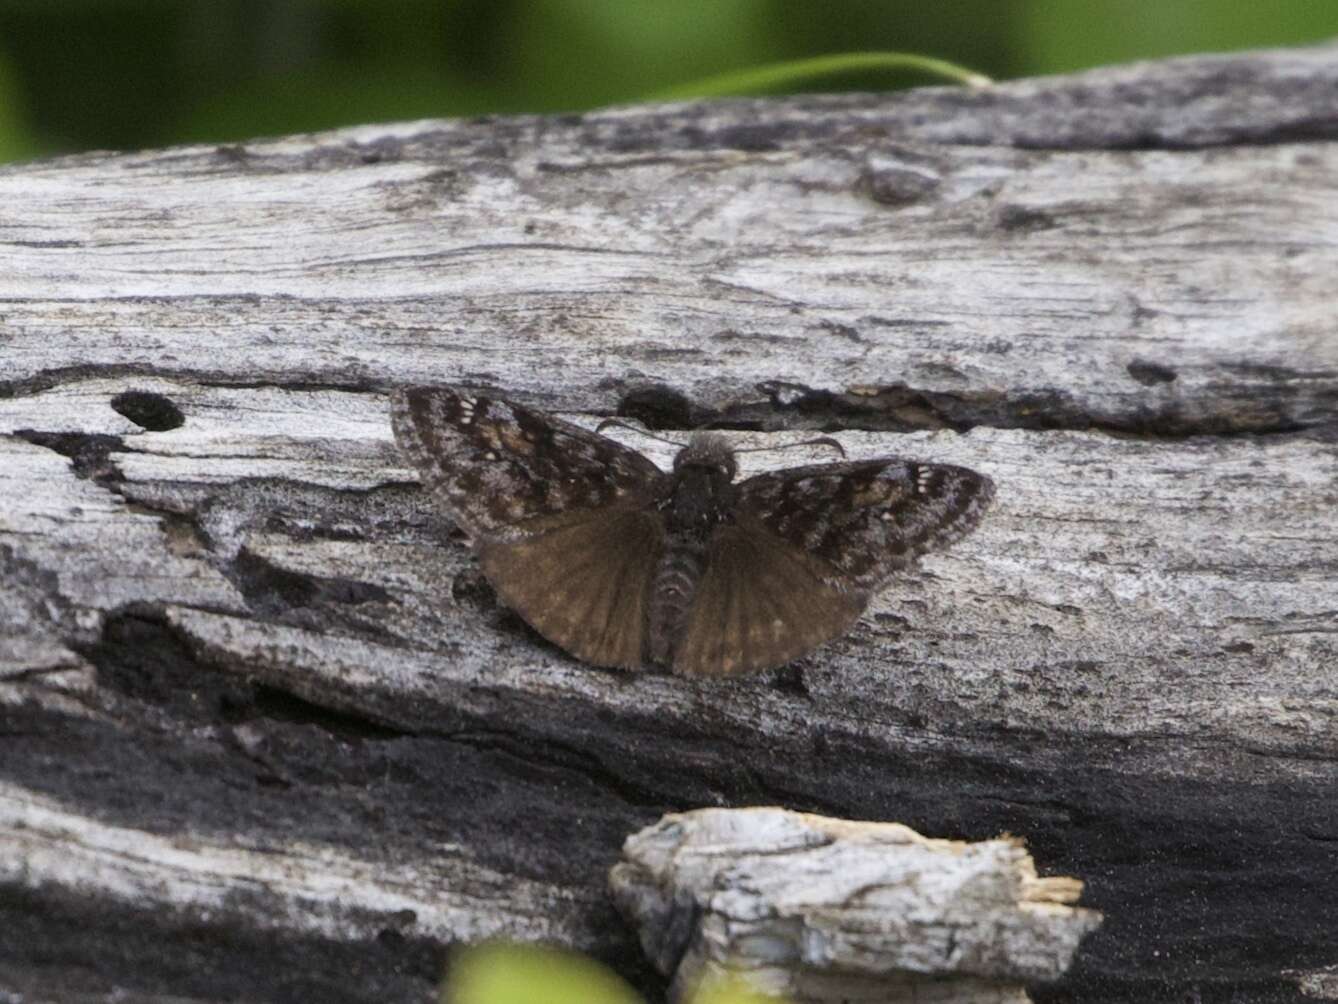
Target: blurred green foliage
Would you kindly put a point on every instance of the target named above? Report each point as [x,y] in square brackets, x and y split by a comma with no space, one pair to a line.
[80,74]
[503,973]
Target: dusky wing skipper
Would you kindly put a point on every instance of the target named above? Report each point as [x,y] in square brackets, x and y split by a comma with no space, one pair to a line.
[622,564]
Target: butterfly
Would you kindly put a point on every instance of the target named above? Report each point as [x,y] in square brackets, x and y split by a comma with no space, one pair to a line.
[625,565]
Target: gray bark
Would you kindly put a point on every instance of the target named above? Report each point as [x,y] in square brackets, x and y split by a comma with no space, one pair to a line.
[265,731]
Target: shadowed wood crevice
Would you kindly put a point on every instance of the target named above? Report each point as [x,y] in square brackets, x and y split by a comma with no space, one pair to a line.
[244,663]
[1261,407]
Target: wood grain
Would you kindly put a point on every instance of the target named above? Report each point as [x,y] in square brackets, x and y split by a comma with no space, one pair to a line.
[266,732]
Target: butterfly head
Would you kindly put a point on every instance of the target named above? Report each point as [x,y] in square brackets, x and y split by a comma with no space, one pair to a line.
[701,495]
[710,453]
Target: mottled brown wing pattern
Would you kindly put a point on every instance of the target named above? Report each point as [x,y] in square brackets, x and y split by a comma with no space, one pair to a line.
[761,602]
[864,521]
[582,536]
[495,465]
[584,586]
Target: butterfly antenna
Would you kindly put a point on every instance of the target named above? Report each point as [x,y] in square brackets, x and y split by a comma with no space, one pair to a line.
[819,441]
[612,423]
[609,423]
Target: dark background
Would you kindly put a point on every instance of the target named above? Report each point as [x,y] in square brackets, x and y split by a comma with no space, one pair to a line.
[88,74]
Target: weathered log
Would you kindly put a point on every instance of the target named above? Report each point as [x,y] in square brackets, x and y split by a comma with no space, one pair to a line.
[265,731]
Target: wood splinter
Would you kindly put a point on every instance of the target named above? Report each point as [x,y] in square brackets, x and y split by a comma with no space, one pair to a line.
[818,909]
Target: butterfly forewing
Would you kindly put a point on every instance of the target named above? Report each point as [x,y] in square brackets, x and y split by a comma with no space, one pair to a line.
[558,515]
[864,521]
[495,464]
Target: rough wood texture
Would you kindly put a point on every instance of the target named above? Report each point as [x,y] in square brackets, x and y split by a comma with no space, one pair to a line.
[826,911]
[266,735]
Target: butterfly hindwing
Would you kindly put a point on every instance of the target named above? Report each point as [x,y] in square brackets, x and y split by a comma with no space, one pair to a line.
[584,585]
[864,521]
[760,603]
[495,464]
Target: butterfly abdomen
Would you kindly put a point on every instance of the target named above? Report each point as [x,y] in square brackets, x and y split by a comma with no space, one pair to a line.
[672,591]
[700,499]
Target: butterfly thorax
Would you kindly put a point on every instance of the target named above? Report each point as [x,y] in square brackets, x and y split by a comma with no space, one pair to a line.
[699,498]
